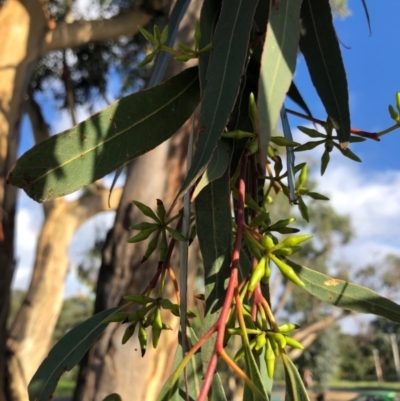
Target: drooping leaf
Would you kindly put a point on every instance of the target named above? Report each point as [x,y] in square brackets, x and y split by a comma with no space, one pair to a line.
[364,4]
[278,64]
[257,391]
[214,229]
[208,21]
[66,354]
[107,140]
[296,97]
[225,70]
[216,168]
[321,51]
[346,295]
[295,390]
[175,388]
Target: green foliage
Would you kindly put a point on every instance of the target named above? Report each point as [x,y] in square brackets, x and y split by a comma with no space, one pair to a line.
[247,57]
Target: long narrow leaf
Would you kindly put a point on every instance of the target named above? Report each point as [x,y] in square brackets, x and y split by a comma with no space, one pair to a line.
[225,70]
[295,390]
[216,168]
[346,295]
[321,51]
[278,64]
[65,355]
[106,141]
[214,227]
[175,387]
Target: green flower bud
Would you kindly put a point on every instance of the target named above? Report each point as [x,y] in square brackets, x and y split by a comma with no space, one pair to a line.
[293,343]
[130,330]
[142,339]
[287,271]
[261,340]
[269,359]
[287,327]
[257,274]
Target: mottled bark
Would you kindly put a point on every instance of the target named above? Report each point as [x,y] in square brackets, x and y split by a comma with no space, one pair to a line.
[31,332]
[23,26]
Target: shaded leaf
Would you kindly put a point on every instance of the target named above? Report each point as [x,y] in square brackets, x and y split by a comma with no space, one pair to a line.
[175,388]
[214,230]
[278,64]
[208,21]
[295,390]
[346,295]
[113,397]
[348,153]
[316,195]
[225,70]
[257,391]
[325,161]
[303,209]
[66,354]
[107,140]
[364,4]
[295,95]
[312,133]
[216,168]
[321,51]
[309,145]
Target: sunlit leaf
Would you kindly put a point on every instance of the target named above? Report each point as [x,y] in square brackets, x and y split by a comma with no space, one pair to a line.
[107,140]
[346,295]
[278,64]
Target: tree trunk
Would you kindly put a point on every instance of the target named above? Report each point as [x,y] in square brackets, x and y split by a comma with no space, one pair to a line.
[31,332]
[23,27]
[110,366]
[27,33]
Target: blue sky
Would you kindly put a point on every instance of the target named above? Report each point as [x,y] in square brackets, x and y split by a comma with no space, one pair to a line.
[369,192]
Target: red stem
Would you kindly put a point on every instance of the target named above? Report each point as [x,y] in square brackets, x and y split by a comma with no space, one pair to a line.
[355,131]
[220,324]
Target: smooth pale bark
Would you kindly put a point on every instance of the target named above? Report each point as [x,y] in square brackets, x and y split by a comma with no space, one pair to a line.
[31,332]
[27,33]
[22,29]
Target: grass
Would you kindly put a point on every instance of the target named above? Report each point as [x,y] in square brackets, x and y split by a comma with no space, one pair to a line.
[65,387]
[364,385]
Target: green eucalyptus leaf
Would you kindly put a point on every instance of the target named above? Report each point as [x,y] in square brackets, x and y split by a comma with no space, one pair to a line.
[254,391]
[278,64]
[324,161]
[225,70]
[66,354]
[113,397]
[217,166]
[214,228]
[354,139]
[303,209]
[312,133]
[317,196]
[348,153]
[295,390]
[295,95]
[309,146]
[320,47]
[108,140]
[281,141]
[345,294]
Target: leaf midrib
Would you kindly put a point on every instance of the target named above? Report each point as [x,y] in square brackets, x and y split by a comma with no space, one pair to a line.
[79,156]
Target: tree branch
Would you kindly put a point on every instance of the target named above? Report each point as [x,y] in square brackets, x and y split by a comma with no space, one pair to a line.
[78,33]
